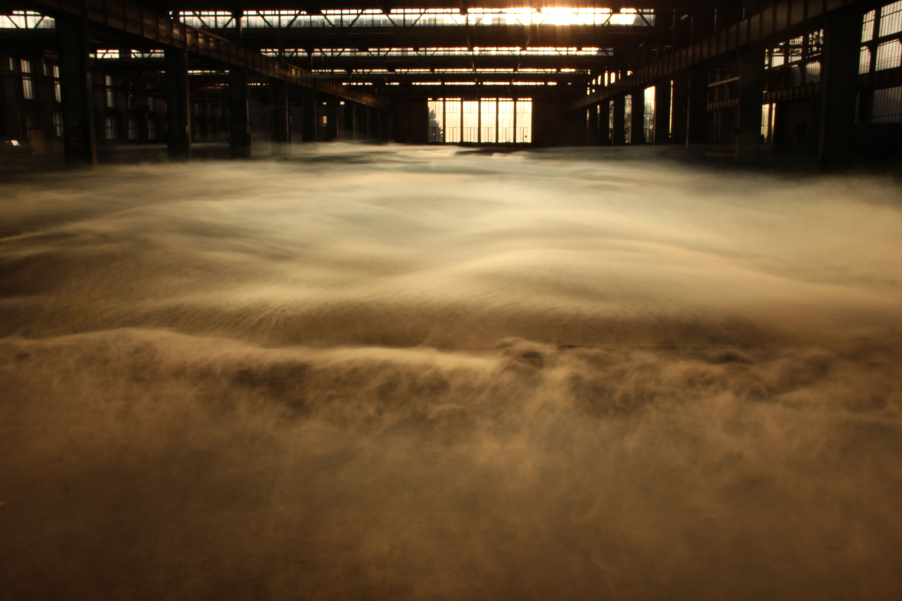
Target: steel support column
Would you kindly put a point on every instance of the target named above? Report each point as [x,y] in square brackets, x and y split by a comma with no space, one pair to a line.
[637,118]
[178,105]
[752,81]
[679,109]
[662,112]
[281,132]
[79,144]
[312,115]
[239,114]
[842,38]
[697,111]
[592,119]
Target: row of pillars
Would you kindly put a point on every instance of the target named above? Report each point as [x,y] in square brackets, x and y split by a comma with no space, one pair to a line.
[690,117]
[341,118]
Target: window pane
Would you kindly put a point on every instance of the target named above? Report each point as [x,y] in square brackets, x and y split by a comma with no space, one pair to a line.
[489,120]
[452,120]
[524,122]
[471,121]
[505,121]
[436,121]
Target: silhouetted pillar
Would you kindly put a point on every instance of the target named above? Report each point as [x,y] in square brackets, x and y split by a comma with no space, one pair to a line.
[637,118]
[79,144]
[839,88]
[369,119]
[752,80]
[333,120]
[281,125]
[592,120]
[178,105]
[679,109]
[618,136]
[697,122]
[313,116]
[662,112]
[240,119]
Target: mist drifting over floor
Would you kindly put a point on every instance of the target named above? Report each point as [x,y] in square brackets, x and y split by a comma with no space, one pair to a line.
[413,373]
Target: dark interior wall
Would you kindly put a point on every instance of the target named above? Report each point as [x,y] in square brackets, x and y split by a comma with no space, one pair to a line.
[796,130]
[879,140]
[411,122]
[548,123]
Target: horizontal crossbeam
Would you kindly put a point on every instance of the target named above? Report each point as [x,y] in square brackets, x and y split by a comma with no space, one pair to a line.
[135,20]
[758,28]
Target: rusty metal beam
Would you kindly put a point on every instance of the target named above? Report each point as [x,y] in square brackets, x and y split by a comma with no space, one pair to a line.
[135,20]
[761,27]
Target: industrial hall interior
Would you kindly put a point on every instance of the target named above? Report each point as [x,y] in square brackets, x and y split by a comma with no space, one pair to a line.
[450,300]
[744,79]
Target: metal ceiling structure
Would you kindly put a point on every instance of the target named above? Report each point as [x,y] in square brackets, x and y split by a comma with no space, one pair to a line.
[584,59]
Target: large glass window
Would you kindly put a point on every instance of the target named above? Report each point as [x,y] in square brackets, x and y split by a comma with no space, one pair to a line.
[649,117]
[27,82]
[505,121]
[111,133]
[436,120]
[887,107]
[485,121]
[524,122]
[471,121]
[489,120]
[452,120]
[110,92]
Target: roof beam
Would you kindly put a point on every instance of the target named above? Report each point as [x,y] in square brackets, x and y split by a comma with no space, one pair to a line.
[769,24]
[135,20]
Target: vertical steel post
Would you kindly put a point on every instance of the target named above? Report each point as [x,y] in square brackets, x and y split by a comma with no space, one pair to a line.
[839,88]
[240,119]
[79,144]
[281,132]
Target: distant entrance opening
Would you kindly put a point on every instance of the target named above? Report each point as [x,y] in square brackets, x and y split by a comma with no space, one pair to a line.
[483,121]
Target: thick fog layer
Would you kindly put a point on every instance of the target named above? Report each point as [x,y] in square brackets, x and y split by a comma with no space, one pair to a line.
[420,374]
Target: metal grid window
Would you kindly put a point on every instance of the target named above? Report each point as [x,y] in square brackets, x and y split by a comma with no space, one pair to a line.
[489,120]
[506,110]
[864,63]
[867,26]
[132,128]
[889,55]
[471,121]
[439,51]
[452,120]
[524,122]
[111,128]
[26,19]
[649,117]
[373,18]
[628,118]
[57,89]
[27,82]
[436,120]
[485,121]
[58,124]
[887,106]
[891,19]
[813,72]
[110,92]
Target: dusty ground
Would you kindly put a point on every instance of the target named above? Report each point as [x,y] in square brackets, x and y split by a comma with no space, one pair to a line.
[406,374]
